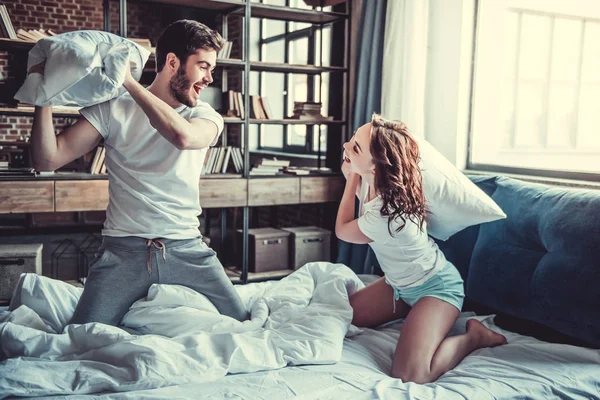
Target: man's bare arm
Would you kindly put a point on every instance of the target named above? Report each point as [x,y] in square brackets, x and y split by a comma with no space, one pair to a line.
[184,134]
[49,151]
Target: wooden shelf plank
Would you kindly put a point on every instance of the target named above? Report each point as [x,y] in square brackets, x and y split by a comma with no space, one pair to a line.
[26,197]
[15,44]
[233,63]
[282,13]
[60,111]
[293,68]
[289,121]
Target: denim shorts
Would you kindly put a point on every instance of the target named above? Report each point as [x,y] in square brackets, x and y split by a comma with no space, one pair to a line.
[446,285]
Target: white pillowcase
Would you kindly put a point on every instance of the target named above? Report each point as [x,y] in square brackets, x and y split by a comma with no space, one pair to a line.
[453,201]
[82,68]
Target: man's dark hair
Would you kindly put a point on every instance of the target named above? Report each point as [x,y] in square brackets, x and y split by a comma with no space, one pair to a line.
[184,38]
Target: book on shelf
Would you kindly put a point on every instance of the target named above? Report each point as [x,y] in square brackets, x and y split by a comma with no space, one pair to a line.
[260,108]
[98,160]
[225,51]
[219,159]
[269,167]
[33,35]
[6,27]
[307,170]
[233,104]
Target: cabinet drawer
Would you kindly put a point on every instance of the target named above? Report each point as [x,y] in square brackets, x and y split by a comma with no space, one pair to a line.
[215,193]
[321,189]
[26,197]
[273,191]
[81,195]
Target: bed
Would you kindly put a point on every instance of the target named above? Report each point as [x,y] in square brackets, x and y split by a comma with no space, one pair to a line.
[300,345]
[540,265]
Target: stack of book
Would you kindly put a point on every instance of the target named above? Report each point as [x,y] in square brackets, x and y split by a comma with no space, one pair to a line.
[225,51]
[308,110]
[269,167]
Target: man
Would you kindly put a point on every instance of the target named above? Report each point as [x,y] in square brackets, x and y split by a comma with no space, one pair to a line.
[156,141]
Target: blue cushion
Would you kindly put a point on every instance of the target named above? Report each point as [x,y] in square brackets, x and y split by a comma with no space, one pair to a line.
[542,262]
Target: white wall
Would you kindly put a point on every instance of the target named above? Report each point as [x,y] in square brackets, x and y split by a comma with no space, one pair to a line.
[447,92]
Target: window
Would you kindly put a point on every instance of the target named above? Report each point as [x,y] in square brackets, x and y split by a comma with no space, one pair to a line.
[536,87]
[291,43]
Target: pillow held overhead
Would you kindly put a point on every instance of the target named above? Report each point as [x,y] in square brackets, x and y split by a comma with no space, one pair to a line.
[82,68]
[453,201]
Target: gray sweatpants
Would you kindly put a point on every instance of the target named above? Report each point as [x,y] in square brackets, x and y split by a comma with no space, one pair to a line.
[125,268]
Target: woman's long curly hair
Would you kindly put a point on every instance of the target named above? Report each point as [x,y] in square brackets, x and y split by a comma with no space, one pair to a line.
[397,174]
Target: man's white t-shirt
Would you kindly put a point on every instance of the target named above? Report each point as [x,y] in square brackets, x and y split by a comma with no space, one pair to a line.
[409,257]
[153,186]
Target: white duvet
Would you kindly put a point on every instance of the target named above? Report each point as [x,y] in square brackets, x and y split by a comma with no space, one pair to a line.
[299,320]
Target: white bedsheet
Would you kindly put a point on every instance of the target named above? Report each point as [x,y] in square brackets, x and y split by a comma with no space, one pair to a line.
[299,320]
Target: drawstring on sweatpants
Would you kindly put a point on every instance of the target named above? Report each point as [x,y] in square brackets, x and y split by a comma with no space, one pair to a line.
[157,244]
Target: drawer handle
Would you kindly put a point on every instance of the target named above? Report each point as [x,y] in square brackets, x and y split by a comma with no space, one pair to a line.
[272,241]
[15,261]
[313,240]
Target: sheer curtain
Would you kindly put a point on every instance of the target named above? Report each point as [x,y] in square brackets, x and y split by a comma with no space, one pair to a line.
[405,63]
[367,80]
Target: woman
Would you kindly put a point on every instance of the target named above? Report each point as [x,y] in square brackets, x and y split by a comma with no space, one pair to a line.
[381,168]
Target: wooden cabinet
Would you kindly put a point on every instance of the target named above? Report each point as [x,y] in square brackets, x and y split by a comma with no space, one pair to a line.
[81,195]
[26,197]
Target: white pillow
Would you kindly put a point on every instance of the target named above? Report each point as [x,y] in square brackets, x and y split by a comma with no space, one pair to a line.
[82,68]
[453,201]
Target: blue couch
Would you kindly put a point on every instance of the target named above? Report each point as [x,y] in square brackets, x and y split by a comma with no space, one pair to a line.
[538,269]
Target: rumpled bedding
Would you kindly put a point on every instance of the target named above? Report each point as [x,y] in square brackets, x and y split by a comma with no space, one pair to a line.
[299,320]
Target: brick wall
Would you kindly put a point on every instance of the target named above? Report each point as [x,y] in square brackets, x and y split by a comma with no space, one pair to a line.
[144,20]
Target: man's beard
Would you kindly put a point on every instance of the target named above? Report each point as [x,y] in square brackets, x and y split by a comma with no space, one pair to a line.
[180,87]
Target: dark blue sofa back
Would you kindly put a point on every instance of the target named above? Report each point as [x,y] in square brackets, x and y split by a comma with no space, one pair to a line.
[542,263]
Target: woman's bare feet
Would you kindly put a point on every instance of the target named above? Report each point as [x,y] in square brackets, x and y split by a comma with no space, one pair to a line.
[483,336]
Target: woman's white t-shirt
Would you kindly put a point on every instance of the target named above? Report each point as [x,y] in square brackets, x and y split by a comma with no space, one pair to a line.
[409,257]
